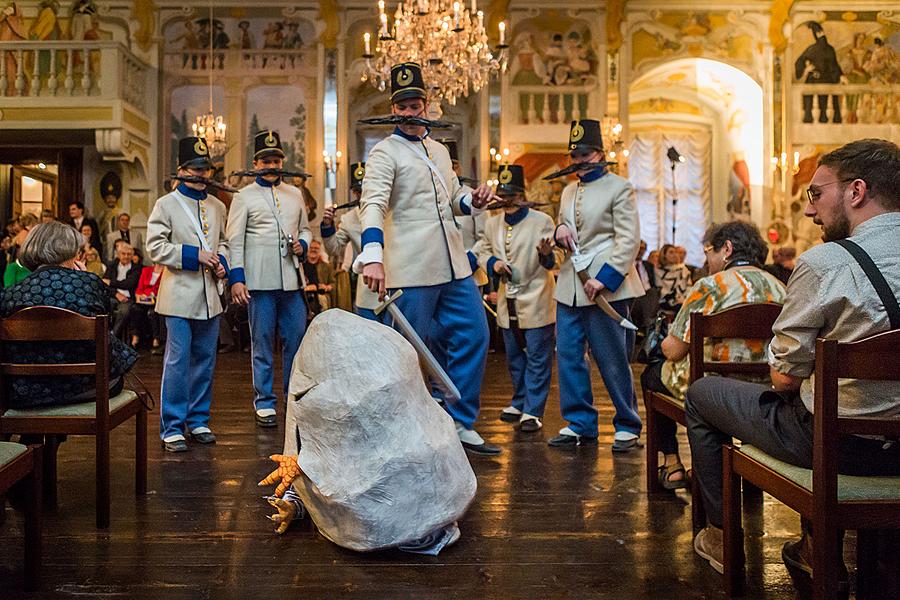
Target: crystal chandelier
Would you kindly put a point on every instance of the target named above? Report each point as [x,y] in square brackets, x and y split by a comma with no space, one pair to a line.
[447,39]
[612,139]
[209,126]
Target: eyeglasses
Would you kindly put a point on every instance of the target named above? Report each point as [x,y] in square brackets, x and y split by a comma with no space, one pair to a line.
[813,193]
[708,249]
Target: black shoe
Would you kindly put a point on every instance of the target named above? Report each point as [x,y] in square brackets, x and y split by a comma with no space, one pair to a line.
[625,445]
[509,417]
[530,426]
[267,421]
[206,437]
[175,446]
[571,441]
[800,570]
[484,449]
[226,349]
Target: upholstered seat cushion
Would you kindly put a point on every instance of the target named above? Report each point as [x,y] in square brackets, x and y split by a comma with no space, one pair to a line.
[10,450]
[83,409]
[849,488]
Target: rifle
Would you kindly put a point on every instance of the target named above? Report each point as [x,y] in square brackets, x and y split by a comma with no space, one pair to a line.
[575,167]
[510,201]
[401,120]
[352,204]
[205,181]
[264,172]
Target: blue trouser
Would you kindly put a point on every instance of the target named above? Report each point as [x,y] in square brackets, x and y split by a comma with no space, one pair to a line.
[530,370]
[455,309]
[589,324]
[188,366]
[270,309]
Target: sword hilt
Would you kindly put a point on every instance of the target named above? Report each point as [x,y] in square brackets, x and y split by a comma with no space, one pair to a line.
[387,302]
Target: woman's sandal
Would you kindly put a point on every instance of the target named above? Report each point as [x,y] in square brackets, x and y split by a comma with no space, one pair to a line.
[665,474]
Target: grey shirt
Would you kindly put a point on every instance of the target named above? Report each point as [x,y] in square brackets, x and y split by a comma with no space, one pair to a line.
[829,295]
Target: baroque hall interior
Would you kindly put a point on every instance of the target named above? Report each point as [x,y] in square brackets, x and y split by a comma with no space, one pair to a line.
[95,95]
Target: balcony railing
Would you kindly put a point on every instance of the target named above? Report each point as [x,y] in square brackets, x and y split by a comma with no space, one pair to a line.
[237,62]
[102,69]
[544,105]
[846,103]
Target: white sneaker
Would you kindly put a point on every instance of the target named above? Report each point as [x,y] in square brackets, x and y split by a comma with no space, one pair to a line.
[469,436]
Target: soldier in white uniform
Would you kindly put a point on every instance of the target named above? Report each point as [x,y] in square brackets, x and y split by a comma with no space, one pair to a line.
[410,241]
[268,236]
[598,220]
[349,231]
[517,246]
[186,234]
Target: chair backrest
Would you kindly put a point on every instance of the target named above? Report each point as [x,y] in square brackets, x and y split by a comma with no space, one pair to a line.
[745,321]
[874,358]
[51,324]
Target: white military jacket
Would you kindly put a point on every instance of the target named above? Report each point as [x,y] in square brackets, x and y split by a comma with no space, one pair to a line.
[516,245]
[471,228]
[187,289]
[406,203]
[349,231]
[254,239]
[602,215]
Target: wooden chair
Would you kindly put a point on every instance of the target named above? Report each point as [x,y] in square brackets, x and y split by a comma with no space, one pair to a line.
[746,321]
[830,501]
[22,465]
[96,418]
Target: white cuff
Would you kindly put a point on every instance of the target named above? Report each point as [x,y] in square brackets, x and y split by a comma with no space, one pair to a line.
[371,253]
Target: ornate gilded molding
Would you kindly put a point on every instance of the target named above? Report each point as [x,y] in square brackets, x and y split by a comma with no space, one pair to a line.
[329,13]
[781,12]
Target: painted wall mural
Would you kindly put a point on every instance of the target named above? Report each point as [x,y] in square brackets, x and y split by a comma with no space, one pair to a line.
[269,107]
[186,102]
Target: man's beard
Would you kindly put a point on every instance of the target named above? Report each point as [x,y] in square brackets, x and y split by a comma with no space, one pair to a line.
[838,230]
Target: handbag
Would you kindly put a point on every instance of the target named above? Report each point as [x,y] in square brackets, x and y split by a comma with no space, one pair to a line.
[651,348]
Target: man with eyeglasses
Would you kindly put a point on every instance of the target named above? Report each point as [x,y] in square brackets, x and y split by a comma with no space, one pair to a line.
[854,197]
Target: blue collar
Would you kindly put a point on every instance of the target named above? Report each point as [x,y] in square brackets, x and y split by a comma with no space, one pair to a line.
[191,192]
[265,183]
[516,217]
[411,138]
[593,175]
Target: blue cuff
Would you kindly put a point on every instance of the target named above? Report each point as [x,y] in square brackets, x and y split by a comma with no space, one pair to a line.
[490,264]
[610,278]
[305,247]
[190,257]
[237,276]
[327,231]
[473,262]
[464,208]
[372,234]
[224,262]
[548,261]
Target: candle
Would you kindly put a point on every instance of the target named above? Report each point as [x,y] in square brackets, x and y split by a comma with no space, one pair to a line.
[796,160]
[783,159]
[502,33]
[384,29]
[366,38]
[480,21]
[381,6]
[474,7]
[456,14]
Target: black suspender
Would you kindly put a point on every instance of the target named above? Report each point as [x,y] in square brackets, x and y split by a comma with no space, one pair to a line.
[882,288]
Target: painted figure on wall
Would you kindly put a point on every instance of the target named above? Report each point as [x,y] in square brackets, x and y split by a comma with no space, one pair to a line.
[563,58]
[189,41]
[883,65]
[12,29]
[246,37]
[45,27]
[818,64]
[82,13]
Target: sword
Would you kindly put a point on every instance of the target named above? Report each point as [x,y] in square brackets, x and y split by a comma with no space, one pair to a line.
[426,358]
[581,263]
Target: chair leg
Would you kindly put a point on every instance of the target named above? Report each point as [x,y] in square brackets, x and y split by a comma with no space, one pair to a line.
[732,533]
[102,457]
[51,447]
[753,495]
[33,523]
[652,449]
[140,452]
[826,550]
[866,565]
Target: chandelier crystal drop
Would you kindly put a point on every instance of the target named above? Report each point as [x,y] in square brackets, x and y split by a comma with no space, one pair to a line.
[446,38]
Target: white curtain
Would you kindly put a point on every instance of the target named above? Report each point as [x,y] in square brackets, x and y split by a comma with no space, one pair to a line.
[649,171]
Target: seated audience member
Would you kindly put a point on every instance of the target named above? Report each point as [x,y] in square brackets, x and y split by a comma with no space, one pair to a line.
[93,263]
[14,273]
[319,280]
[673,279]
[735,278]
[854,195]
[143,317]
[123,232]
[47,216]
[49,251]
[782,263]
[26,223]
[123,276]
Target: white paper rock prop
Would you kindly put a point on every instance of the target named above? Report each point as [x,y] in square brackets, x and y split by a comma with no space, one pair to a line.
[382,464]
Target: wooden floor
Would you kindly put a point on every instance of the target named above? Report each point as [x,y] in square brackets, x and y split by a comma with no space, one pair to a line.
[544,524]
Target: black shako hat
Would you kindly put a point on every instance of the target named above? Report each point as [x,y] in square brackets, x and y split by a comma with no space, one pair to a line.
[111,185]
[357,173]
[193,154]
[511,180]
[585,136]
[407,82]
[452,148]
[267,143]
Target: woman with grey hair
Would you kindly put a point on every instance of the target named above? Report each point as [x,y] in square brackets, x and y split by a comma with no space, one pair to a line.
[57,280]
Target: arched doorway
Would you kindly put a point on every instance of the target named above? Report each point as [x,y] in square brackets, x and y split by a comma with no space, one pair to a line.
[712,114]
